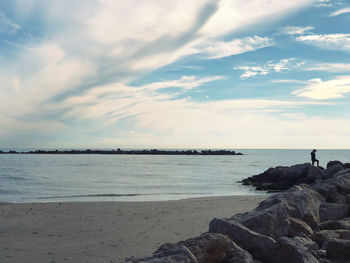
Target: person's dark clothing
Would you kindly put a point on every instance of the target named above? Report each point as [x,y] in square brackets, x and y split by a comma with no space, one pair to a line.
[313,158]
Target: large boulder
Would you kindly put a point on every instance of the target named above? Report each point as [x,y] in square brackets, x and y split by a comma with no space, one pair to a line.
[214,247]
[322,237]
[299,228]
[343,223]
[331,163]
[332,170]
[207,248]
[255,243]
[292,251]
[284,177]
[338,249]
[333,211]
[272,216]
[175,255]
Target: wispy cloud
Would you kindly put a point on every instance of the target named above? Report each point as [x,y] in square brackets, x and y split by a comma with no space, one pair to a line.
[329,67]
[237,46]
[296,30]
[340,12]
[7,25]
[318,89]
[271,66]
[324,3]
[327,41]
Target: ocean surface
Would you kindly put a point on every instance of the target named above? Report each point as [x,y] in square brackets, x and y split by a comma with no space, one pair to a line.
[72,178]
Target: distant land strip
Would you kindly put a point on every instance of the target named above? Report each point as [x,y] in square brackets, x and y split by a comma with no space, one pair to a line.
[119,151]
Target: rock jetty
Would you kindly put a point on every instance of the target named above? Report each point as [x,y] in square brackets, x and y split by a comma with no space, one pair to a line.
[309,222]
[119,151]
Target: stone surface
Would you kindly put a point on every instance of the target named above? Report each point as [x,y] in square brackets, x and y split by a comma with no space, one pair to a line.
[343,223]
[308,243]
[256,244]
[291,251]
[332,163]
[175,255]
[338,249]
[298,226]
[333,211]
[332,170]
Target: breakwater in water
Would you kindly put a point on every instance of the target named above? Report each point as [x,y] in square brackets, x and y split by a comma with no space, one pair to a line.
[119,151]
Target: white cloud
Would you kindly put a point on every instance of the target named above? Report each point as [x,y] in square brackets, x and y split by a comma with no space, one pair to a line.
[329,67]
[272,66]
[323,3]
[7,25]
[237,46]
[341,12]
[324,90]
[296,30]
[328,41]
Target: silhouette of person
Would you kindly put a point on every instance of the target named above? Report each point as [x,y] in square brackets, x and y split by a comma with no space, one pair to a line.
[313,158]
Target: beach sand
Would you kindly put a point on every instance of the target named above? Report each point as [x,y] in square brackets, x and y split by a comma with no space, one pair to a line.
[106,231]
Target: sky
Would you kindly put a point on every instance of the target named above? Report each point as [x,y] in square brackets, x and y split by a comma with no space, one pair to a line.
[175,74]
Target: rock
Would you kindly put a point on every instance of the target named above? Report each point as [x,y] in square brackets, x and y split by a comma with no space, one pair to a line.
[346,165]
[298,226]
[272,221]
[343,223]
[333,211]
[321,253]
[332,170]
[331,163]
[328,190]
[308,243]
[327,260]
[214,247]
[314,173]
[338,249]
[300,202]
[323,236]
[175,255]
[256,244]
[210,248]
[291,251]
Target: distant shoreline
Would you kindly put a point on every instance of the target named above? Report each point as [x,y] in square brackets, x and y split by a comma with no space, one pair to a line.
[119,151]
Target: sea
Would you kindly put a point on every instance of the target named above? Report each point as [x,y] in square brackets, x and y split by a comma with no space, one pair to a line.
[28,178]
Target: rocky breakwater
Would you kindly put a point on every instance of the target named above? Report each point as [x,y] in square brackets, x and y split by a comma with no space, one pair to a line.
[309,222]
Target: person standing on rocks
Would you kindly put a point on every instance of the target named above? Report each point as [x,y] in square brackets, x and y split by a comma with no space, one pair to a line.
[313,158]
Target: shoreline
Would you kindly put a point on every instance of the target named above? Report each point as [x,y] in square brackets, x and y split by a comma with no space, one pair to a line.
[107,231]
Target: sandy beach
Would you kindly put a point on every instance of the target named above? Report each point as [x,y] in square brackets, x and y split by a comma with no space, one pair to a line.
[106,231]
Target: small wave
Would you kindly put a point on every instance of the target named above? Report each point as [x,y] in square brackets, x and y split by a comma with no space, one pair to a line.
[113,195]
[92,195]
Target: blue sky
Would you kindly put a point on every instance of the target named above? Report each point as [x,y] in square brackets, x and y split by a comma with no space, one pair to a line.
[175,74]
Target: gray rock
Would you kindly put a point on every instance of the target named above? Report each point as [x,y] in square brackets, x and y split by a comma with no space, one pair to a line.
[211,248]
[255,243]
[331,163]
[175,255]
[321,253]
[343,223]
[332,170]
[308,243]
[214,247]
[333,211]
[271,221]
[338,249]
[300,202]
[291,251]
[298,226]
[323,236]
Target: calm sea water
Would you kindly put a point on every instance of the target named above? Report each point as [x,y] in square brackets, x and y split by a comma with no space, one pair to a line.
[57,178]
